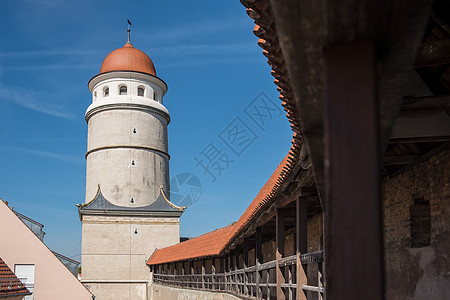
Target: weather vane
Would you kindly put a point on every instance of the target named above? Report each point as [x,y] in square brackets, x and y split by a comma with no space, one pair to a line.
[128,31]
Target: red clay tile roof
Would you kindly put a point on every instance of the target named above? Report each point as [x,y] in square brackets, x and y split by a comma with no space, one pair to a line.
[10,285]
[205,245]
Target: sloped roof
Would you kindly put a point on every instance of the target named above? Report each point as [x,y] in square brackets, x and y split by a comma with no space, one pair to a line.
[10,285]
[208,244]
[160,207]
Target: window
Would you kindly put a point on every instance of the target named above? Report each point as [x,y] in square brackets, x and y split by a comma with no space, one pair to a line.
[155,94]
[26,274]
[141,91]
[123,90]
[420,218]
[106,92]
[95,94]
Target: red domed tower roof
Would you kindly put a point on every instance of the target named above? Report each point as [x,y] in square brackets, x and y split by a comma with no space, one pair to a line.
[128,58]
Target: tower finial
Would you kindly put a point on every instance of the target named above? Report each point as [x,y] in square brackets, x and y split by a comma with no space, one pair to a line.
[128,32]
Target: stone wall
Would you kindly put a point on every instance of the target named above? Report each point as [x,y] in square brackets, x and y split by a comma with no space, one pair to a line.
[417,230]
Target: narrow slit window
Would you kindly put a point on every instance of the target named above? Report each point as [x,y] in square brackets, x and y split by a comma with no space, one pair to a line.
[141,91]
[106,92]
[123,90]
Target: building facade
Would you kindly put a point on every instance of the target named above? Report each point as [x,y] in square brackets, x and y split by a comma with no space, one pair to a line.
[127,213]
[40,271]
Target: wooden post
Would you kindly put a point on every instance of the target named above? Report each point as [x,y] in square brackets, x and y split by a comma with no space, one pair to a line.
[245,259]
[182,273]
[353,224]
[301,246]
[213,272]
[192,273]
[279,251]
[237,281]
[258,261]
[203,273]
[226,271]
[232,261]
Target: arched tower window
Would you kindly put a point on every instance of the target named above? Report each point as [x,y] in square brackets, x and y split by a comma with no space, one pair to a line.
[123,90]
[106,92]
[155,94]
[141,91]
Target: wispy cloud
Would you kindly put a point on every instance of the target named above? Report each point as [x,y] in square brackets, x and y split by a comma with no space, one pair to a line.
[49,67]
[207,61]
[176,50]
[186,30]
[180,50]
[52,155]
[34,101]
[48,52]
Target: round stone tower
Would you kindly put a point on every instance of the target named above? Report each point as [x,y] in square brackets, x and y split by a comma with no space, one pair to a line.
[127,151]
[127,213]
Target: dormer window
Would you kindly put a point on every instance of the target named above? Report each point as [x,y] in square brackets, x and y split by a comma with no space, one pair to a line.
[106,92]
[141,91]
[123,90]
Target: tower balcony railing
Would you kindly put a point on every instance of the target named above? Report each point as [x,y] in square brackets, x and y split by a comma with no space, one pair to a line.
[255,282]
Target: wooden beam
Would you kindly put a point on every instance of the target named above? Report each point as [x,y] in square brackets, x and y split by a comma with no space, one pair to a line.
[399,159]
[279,251]
[425,125]
[427,103]
[433,54]
[301,243]
[353,226]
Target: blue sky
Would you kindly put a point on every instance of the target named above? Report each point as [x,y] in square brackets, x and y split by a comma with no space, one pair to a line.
[204,50]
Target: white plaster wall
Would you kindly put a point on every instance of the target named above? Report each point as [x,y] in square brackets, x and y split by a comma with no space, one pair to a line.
[127,127]
[19,245]
[112,169]
[114,258]
[132,81]
[111,250]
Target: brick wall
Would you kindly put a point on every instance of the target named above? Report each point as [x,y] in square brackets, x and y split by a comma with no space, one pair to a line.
[414,199]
